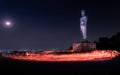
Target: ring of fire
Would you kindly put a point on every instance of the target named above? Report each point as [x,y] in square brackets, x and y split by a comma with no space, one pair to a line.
[96,55]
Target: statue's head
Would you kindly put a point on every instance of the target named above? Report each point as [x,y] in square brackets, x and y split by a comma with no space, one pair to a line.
[82,12]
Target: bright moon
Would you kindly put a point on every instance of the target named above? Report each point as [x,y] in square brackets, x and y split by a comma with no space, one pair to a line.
[8,23]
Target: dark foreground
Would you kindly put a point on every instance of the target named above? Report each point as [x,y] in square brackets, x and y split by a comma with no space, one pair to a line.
[41,68]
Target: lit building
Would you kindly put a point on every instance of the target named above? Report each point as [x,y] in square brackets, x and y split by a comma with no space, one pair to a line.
[83,46]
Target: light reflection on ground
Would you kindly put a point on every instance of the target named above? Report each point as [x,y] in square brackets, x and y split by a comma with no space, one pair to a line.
[96,55]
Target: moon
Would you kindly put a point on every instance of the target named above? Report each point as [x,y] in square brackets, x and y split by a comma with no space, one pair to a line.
[8,23]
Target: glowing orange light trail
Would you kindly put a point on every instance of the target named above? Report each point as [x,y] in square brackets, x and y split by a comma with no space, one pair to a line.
[96,55]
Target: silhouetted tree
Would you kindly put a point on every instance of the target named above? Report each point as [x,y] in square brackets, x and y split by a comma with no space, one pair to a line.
[109,43]
[103,43]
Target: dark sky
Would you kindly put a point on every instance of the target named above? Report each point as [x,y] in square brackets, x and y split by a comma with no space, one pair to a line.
[54,24]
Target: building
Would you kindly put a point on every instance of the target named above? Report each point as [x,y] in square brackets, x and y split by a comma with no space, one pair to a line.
[83,46]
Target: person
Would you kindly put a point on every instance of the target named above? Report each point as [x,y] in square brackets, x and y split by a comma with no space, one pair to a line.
[83,24]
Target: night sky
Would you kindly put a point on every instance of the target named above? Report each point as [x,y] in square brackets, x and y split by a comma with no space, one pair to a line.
[54,24]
